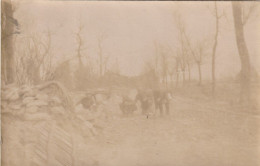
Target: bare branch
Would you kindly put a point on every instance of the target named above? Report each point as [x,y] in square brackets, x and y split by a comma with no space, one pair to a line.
[247,12]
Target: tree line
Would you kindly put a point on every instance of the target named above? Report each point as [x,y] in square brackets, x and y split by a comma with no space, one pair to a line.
[35,65]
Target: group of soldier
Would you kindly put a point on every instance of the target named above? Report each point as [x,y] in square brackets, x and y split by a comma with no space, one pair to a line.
[150,101]
[159,99]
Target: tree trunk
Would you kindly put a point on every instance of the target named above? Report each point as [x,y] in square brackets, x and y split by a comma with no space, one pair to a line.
[100,66]
[79,54]
[166,80]
[199,69]
[177,79]
[183,77]
[171,77]
[243,53]
[7,42]
[188,71]
[214,50]
[80,60]
[100,60]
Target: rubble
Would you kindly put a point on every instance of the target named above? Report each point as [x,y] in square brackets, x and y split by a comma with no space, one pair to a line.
[51,117]
[27,101]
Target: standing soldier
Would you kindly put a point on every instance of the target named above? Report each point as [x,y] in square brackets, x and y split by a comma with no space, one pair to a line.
[128,106]
[88,102]
[146,101]
[162,101]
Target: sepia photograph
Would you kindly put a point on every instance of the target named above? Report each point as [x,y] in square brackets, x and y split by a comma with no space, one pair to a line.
[130,83]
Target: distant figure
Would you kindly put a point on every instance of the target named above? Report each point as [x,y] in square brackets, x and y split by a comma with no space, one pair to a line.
[127,106]
[162,101]
[146,100]
[88,101]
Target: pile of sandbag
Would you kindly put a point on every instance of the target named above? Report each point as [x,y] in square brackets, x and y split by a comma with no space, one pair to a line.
[41,125]
[48,101]
[25,100]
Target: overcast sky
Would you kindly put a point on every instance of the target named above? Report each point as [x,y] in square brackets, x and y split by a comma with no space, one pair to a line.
[131,28]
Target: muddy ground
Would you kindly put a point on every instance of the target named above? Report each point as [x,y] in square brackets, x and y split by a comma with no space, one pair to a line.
[191,135]
[194,134]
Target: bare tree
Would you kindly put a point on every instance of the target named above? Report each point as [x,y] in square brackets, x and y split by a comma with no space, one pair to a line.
[188,63]
[8,25]
[177,62]
[171,73]
[47,67]
[100,54]
[80,44]
[185,58]
[198,62]
[249,11]
[163,64]
[84,72]
[200,53]
[149,77]
[106,59]
[181,63]
[243,52]
[217,16]
[156,63]
[34,62]
[156,59]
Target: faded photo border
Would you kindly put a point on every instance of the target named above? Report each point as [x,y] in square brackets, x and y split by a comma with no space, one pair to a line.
[130,82]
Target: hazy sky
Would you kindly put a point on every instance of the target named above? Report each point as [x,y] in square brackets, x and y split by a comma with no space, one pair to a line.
[131,28]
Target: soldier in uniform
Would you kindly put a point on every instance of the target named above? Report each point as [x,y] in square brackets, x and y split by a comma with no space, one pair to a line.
[88,101]
[127,106]
[145,99]
[162,101]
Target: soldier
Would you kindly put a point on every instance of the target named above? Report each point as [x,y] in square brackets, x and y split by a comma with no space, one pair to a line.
[145,99]
[127,106]
[162,101]
[88,101]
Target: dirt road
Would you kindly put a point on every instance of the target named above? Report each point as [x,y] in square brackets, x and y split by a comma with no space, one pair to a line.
[196,133]
[192,135]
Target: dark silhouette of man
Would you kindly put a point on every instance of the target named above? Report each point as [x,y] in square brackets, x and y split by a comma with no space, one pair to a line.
[162,101]
[145,99]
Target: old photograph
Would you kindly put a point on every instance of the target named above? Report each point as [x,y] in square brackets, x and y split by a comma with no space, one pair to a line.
[130,83]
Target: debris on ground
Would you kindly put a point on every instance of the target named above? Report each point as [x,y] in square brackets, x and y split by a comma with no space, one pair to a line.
[43,123]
